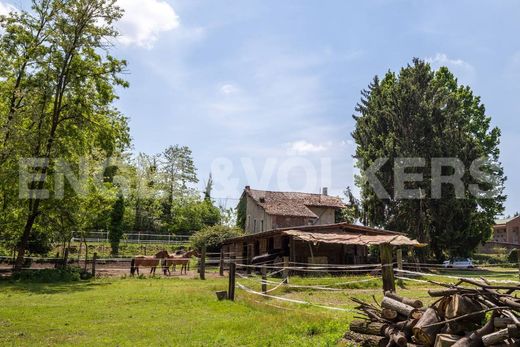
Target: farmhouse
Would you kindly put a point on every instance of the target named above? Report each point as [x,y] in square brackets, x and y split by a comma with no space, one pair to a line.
[267,210]
[340,243]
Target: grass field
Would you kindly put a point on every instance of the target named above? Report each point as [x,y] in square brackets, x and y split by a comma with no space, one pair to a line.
[182,312]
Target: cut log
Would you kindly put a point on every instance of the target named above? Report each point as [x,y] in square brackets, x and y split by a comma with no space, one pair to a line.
[369,328]
[396,336]
[404,309]
[446,340]
[501,336]
[475,339]
[459,305]
[366,340]
[426,335]
[411,302]
[502,322]
[389,314]
[406,327]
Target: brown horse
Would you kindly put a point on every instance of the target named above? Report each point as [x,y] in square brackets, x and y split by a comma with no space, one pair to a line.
[147,261]
[178,259]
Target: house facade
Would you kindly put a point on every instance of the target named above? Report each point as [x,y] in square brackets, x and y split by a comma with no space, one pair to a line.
[506,234]
[267,210]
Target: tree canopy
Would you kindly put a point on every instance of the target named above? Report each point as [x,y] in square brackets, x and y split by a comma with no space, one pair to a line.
[426,114]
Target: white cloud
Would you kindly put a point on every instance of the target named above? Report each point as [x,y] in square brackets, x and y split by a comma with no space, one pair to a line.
[145,20]
[303,147]
[228,89]
[5,8]
[463,70]
[443,60]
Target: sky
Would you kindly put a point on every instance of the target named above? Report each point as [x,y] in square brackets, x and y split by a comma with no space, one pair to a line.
[264,91]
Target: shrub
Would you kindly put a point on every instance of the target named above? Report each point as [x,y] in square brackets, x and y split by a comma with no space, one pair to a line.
[68,274]
[212,237]
[513,256]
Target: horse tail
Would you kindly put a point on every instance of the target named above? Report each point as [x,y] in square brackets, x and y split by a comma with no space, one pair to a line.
[132,266]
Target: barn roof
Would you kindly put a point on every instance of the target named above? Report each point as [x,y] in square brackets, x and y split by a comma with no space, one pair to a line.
[340,233]
[292,203]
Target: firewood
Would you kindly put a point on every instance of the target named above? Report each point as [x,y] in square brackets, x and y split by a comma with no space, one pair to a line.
[404,309]
[406,326]
[475,339]
[369,328]
[388,313]
[411,302]
[422,333]
[446,340]
[512,331]
[397,337]
[502,322]
[366,340]
[460,305]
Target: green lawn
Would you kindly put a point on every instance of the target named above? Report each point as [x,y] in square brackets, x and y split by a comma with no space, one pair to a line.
[180,312]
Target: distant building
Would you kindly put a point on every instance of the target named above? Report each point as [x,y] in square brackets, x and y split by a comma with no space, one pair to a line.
[506,234]
[267,210]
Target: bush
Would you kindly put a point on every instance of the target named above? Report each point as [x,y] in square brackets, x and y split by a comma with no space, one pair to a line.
[513,256]
[212,237]
[68,274]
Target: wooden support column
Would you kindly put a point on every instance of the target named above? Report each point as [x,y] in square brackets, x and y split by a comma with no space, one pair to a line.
[202,264]
[399,252]
[518,260]
[221,262]
[231,284]
[264,279]
[94,259]
[249,257]
[286,271]
[387,271]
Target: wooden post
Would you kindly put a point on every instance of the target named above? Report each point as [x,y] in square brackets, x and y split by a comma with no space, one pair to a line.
[387,270]
[202,264]
[285,270]
[94,259]
[221,263]
[264,279]
[399,252]
[231,287]
[400,264]
[249,257]
[518,260]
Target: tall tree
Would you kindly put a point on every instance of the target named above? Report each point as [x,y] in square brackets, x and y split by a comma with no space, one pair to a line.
[178,170]
[57,85]
[422,113]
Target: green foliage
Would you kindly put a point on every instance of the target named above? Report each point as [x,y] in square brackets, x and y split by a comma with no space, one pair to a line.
[68,274]
[421,113]
[512,257]
[116,224]
[57,88]
[190,214]
[241,213]
[212,237]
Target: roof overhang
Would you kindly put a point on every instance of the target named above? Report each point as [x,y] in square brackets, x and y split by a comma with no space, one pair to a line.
[339,233]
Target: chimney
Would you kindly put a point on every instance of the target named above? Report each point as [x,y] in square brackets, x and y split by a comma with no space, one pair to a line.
[248,187]
[325,191]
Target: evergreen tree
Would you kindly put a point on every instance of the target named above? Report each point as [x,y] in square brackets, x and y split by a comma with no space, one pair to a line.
[421,113]
[116,224]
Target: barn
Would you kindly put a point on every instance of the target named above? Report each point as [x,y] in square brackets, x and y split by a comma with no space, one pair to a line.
[339,243]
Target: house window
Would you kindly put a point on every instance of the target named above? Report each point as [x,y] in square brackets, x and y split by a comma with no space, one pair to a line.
[248,221]
[262,225]
[254,226]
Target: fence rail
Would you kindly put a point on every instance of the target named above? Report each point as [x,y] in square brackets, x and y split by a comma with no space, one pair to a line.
[135,238]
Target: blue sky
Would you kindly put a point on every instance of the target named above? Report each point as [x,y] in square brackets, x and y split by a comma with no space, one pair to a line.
[270,86]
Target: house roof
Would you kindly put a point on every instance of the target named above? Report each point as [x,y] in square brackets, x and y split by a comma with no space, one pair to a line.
[292,203]
[504,221]
[339,233]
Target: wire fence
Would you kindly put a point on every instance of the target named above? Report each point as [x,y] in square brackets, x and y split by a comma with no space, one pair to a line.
[132,238]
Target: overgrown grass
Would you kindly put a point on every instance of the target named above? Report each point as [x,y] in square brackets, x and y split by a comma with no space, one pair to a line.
[185,312]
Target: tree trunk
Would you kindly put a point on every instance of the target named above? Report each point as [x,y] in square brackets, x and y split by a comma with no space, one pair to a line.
[405,310]
[411,302]
[369,328]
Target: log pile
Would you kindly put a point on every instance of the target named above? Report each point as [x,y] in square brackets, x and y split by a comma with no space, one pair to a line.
[469,313]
